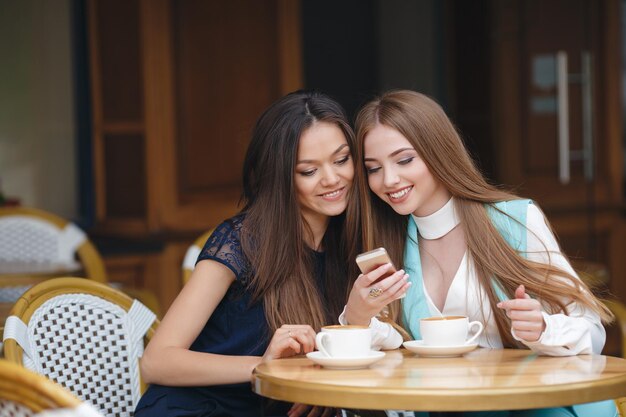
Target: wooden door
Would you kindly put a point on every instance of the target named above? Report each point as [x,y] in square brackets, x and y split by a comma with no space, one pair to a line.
[176,88]
[556,127]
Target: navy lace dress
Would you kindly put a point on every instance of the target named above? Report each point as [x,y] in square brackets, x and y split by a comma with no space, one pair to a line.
[234,328]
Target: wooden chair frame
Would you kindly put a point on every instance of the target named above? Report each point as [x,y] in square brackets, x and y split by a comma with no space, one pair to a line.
[33,391]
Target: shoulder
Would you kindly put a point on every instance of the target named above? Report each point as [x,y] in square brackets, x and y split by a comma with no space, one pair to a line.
[538,225]
[228,230]
[534,214]
[509,215]
[510,219]
[224,246]
[517,208]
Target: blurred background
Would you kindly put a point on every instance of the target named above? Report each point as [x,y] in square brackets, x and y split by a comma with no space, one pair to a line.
[131,117]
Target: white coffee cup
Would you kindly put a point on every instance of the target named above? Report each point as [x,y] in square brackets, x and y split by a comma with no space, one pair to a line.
[344,341]
[448,330]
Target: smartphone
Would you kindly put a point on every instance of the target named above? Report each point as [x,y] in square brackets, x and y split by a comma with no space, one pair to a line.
[371,260]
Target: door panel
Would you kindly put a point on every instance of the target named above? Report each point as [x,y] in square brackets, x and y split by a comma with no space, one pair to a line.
[555,67]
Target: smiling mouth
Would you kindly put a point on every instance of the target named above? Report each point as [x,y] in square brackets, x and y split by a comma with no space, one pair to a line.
[397,195]
[333,194]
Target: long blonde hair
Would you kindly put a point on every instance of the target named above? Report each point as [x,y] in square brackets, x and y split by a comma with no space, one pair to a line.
[425,125]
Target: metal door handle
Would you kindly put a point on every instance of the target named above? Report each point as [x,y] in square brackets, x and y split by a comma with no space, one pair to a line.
[563,116]
[587,115]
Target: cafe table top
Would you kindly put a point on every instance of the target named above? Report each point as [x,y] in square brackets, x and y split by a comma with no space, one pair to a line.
[484,379]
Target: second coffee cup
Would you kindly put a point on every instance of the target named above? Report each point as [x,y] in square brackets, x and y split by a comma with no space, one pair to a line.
[448,330]
[344,341]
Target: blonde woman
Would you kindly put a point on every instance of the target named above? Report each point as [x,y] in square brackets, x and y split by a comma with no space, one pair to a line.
[470,248]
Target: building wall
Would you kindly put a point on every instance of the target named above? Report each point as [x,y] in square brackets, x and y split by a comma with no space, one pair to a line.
[37,131]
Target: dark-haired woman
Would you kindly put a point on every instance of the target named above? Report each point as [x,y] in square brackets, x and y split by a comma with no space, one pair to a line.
[471,249]
[268,278]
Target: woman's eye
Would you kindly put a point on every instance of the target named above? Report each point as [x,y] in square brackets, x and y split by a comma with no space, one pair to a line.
[343,160]
[372,170]
[308,173]
[406,161]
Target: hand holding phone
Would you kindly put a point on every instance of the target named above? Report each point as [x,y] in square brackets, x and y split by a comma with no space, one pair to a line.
[369,295]
[371,260]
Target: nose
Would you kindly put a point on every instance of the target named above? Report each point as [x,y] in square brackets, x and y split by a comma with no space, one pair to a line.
[329,176]
[390,177]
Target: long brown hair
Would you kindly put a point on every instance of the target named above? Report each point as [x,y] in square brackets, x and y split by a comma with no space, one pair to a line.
[425,125]
[273,232]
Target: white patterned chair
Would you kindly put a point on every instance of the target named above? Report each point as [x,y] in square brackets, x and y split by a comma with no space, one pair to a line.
[85,336]
[36,245]
[46,241]
[24,393]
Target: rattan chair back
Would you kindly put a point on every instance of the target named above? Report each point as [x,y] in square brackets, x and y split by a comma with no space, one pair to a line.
[25,393]
[85,336]
[48,245]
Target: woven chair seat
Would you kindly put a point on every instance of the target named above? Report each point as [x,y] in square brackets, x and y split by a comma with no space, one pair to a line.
[81,335]
[13,409]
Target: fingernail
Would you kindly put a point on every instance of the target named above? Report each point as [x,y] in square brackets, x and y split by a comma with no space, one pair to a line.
[499,305]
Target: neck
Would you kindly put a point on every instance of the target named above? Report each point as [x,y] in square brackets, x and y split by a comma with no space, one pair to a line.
[314,231]
[435,202]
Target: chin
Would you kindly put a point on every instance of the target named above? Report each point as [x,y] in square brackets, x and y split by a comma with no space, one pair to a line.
[402,211]
[335,211]
[405,208]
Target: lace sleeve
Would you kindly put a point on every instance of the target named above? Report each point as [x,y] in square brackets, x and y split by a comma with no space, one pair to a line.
[224,246]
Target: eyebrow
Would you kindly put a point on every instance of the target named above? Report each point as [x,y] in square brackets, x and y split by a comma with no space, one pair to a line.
[308,161]
[392,154]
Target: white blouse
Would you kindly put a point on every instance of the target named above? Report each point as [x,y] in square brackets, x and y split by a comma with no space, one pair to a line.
[580,332]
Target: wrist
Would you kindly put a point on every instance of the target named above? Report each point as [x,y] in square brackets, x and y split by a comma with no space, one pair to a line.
[352,317]
[254,362]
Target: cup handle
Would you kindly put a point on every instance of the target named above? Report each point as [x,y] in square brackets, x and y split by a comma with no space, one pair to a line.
[319,342]
[478,332]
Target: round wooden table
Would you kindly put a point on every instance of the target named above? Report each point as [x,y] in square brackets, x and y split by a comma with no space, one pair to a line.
[485,379]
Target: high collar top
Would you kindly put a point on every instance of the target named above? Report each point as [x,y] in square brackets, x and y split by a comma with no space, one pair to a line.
[439,223]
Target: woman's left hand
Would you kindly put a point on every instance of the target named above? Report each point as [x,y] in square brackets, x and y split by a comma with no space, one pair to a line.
[525,314]
[297,410]
[371,293]
[289,340]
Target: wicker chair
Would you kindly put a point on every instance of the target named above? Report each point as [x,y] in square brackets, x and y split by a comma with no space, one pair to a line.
[85,336]
[189,262]
[25,393]
[36,245]
[46,241]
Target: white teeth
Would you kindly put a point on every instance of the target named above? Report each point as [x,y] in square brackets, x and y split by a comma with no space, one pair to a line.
[333,194]
[400,193]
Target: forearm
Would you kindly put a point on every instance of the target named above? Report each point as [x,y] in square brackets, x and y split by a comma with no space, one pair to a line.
[568,335]
[181,367]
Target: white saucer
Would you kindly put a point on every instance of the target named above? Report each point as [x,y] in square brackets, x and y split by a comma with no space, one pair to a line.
[421,349]
[345,363]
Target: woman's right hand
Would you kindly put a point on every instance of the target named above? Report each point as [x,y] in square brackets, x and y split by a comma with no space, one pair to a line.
[290,340]
[363,303]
